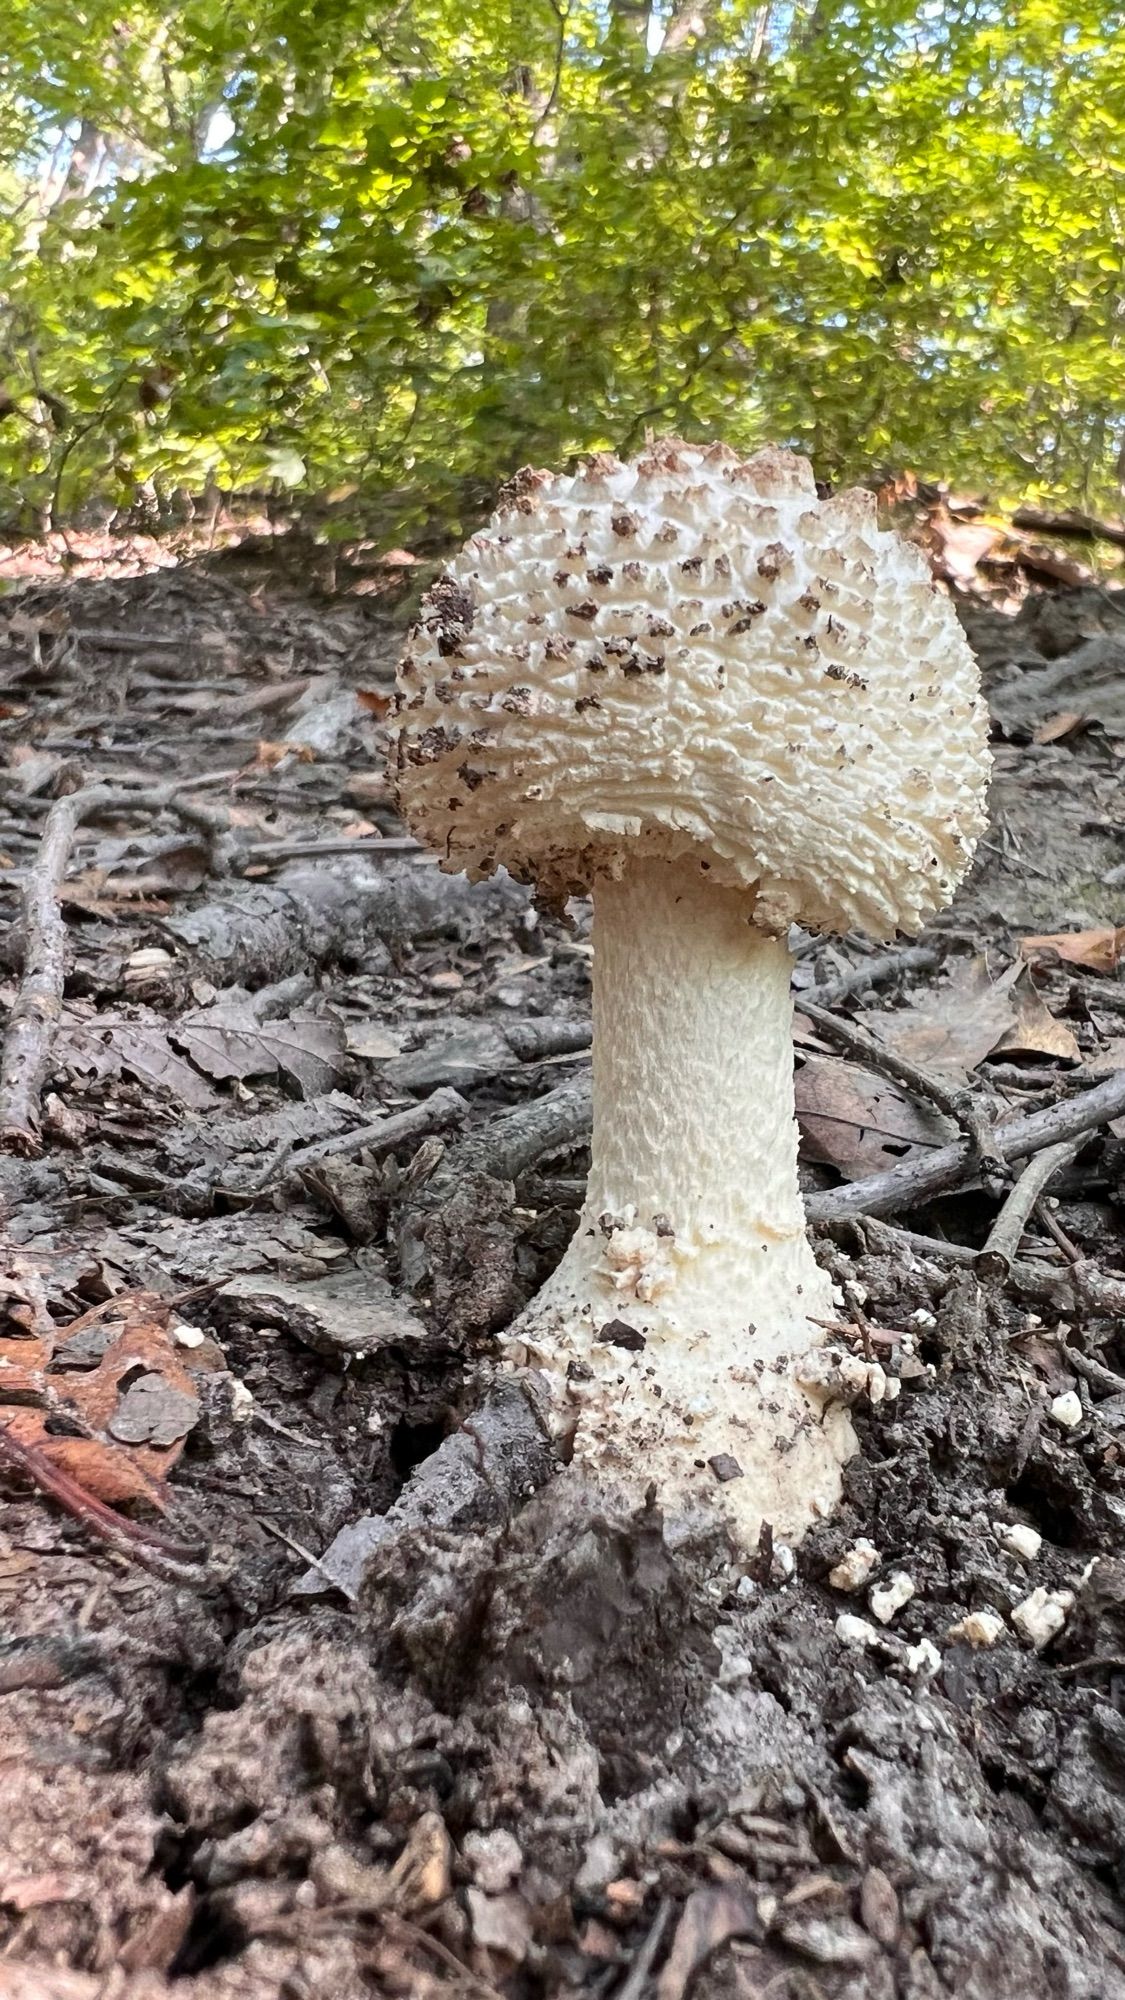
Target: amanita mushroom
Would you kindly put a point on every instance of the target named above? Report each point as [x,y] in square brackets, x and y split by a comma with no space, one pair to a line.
[721,706]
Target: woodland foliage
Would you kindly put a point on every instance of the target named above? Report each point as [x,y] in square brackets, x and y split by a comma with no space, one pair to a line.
[382,253]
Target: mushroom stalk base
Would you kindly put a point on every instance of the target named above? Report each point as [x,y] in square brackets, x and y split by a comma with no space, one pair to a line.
[672,1333]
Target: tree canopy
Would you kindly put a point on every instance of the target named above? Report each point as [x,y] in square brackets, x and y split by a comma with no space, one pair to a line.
[397,249]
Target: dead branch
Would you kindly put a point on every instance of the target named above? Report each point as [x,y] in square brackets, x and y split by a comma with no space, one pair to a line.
[874,971]
[998,1255]
[1065,1288]
[947,1166]
[38,1004]
[513,1143]
[454,1229]
[258,932]
[434,1114]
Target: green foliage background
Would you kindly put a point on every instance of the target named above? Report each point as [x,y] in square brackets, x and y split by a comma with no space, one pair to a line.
[403,248]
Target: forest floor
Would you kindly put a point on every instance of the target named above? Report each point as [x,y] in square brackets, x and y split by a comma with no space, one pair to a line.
[317,1677]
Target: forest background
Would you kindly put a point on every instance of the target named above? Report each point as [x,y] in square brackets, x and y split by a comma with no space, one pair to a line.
[374,256]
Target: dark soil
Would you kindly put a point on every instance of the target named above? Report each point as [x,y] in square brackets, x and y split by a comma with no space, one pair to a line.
[529,1749]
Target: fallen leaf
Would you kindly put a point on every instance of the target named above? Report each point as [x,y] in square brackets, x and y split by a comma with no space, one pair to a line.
[860,1123]
[269,755]
[377,701]
[372,1042]
[227,1040]
[956,1025]
[102,1046]
[1095,951]
[139,1349]
[1066,723]
[1035,1030]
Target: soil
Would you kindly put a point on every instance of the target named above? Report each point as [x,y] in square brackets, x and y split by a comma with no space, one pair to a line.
[424,1717]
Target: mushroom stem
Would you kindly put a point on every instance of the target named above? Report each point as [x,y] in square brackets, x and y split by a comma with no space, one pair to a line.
[683,1304]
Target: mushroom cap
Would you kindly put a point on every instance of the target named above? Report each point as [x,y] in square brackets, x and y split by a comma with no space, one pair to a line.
[692,652]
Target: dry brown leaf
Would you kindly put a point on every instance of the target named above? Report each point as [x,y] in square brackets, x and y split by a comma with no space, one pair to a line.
[860,1123]
[40,1379]
[1095,951]
[956,1025]
[1035,1031]
[269,755]
[1066,723]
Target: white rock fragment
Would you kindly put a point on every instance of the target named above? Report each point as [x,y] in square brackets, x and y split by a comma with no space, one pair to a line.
[188,1336]
[887,1598]
[977,1628]
[241,1401]
[855,1631]
[1018,1540]
[923,1659]
[1041,1617]
[854,1568]
[1066,1410]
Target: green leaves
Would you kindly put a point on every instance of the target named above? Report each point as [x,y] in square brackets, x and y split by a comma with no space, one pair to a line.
[406,247]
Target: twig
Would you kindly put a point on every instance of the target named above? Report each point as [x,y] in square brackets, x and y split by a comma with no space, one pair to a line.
[872,972]
[266,851]
[958,1104]
[1069,1288]
[507,1147]
[38,1004]
[441,1109]
[636,1979]
[917,1180]
[998,1255]
[1094,1372]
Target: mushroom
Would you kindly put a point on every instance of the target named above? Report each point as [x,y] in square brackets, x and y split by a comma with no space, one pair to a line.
[721,706]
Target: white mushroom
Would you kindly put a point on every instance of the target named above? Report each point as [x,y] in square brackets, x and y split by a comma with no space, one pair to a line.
[720,705]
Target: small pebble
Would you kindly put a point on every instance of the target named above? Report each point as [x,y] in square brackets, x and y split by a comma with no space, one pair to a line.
[855,1631]
[977,1628]
[1018,1540]
[1042,1615]
[887,1598]
[854,1568]
[1067,1410]
[188,1336]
